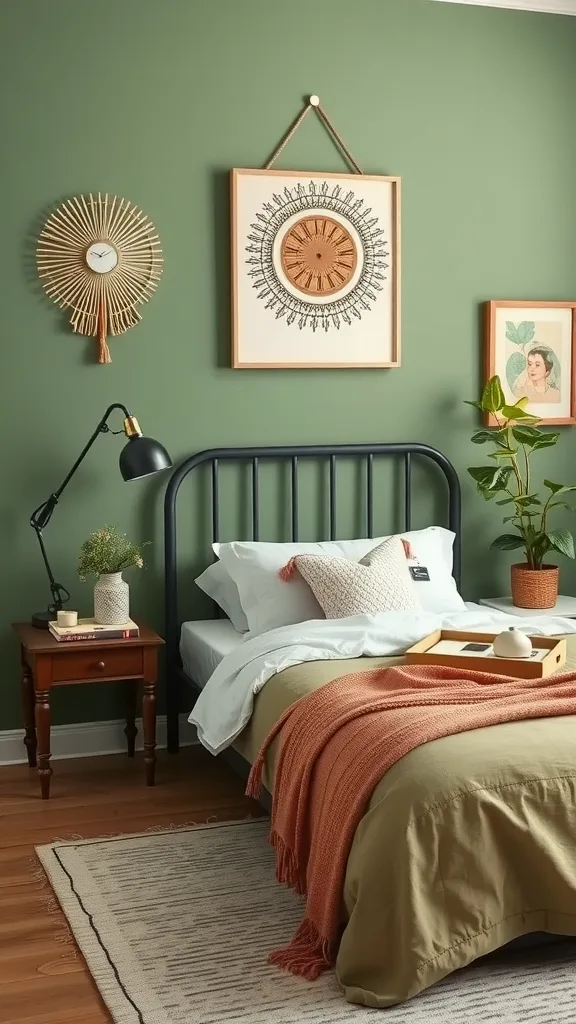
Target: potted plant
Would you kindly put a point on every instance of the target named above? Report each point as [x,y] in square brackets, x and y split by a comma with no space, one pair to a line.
[105,555]
[508,480]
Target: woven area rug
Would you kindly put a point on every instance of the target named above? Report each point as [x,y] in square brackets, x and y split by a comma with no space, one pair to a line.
[176,927]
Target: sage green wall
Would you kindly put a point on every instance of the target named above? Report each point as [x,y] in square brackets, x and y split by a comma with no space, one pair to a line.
[474,108]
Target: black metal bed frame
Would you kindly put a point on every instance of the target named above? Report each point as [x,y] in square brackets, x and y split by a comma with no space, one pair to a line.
[291,454]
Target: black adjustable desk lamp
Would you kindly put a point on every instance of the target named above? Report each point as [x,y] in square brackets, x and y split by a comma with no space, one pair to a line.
[140,457]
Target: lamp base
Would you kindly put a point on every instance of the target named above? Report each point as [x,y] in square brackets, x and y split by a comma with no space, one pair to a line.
[40,620]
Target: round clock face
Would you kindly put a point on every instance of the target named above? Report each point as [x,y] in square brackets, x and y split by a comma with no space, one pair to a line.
[318,255]
[101,257]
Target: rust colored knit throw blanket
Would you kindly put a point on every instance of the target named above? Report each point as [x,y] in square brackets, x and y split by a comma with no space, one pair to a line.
[338,742]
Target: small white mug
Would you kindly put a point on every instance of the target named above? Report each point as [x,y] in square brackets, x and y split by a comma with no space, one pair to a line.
[67,618]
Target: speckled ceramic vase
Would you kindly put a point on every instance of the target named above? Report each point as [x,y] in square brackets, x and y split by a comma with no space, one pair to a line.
[111,600]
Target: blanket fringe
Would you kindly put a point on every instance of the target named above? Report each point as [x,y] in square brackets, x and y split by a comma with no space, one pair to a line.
[287,867]
[254,784]
[307,956]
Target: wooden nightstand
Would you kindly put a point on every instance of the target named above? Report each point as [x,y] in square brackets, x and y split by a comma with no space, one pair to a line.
[47,663]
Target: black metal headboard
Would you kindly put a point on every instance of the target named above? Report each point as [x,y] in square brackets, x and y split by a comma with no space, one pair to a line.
[291,454]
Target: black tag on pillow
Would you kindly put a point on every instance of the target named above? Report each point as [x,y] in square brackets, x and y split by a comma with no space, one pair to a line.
[419,573]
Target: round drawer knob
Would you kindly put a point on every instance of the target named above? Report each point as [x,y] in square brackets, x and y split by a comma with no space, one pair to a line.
[100,665]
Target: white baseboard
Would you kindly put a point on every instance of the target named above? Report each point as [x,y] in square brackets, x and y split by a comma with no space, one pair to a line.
[89,739]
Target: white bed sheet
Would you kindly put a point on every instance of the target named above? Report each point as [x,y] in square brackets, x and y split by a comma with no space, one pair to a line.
[203,645]
[225,705]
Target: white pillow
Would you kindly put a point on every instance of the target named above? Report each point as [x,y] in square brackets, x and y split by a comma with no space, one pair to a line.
[269,602]
[432,549]
[219,585]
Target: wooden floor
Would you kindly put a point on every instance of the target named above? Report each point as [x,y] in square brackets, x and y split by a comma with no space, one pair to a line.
[43,978]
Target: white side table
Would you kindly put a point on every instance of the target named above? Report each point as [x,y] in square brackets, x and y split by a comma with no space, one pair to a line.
[565,606]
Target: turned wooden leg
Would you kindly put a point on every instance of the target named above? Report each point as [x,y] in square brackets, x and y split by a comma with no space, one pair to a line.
[43,731]
[130,730]
[149,728]
[27,687]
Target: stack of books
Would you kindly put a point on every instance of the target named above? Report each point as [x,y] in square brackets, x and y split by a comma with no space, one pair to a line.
[89,629]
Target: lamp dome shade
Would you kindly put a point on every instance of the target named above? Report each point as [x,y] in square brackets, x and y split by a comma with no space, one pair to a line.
[142,456]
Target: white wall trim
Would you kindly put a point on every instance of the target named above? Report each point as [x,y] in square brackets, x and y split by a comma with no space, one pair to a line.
[89,739]
[540,6]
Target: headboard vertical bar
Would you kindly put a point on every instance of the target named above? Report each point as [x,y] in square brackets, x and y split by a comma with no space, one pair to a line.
[294,501]
[370,495]
[332,498]
[407,491]
[215,503]
[255,500]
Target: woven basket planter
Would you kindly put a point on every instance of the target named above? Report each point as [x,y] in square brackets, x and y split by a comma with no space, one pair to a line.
[534,588]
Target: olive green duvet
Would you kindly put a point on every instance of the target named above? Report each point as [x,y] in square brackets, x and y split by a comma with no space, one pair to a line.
[468,842]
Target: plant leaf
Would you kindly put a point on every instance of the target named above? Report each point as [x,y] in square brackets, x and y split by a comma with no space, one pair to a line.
[546,441]
[508,542]
[526,434]
[505,501]
[488,495]
[477,405]
[528,499]
[503,453]
[482,436]
[493,399]
[540,545]
[490,478]
[518,415]
[558,488]
[562,541]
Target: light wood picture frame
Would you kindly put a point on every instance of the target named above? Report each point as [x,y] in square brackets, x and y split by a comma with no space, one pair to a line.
[531,345]
[315,270]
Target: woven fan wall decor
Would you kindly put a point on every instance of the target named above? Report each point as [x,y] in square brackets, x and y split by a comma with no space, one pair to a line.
[100,257]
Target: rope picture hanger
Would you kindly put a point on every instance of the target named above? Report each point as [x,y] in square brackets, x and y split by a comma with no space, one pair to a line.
[313,104]
[315,263]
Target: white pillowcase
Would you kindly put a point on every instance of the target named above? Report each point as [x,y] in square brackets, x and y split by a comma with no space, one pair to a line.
[219,585]
[269,602]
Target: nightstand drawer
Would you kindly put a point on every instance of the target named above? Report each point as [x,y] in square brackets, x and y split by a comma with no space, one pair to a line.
[120,663]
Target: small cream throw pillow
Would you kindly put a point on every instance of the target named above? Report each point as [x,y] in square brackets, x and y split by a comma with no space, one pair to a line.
[379,582]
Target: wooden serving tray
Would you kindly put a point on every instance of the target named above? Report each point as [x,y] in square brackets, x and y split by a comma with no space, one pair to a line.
[520,668]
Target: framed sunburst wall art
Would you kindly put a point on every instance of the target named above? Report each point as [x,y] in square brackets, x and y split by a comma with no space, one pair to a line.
[315,270]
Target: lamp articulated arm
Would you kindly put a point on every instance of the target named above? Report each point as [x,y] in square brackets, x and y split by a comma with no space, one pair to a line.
[42,515]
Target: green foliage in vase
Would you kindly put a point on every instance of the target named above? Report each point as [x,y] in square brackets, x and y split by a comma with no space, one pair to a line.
[106,551]
[509,478]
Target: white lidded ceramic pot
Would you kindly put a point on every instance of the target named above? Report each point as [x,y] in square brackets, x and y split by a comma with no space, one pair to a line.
[111,600]
[512,643]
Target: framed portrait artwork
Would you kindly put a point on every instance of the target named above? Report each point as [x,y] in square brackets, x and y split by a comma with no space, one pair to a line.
[532,348]
[315,270]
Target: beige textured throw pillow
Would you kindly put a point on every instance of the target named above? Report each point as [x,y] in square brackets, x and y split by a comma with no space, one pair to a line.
[379,582]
